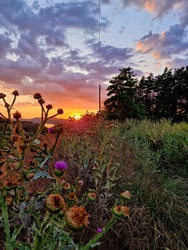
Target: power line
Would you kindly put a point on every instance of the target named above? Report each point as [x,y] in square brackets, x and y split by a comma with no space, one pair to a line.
[99,48]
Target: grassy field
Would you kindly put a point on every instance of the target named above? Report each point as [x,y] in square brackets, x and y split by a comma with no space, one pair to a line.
[147,159]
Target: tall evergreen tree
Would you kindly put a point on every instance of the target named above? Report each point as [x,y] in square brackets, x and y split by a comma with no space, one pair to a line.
[121,103]
[180,93]
[164,95]
[145,92]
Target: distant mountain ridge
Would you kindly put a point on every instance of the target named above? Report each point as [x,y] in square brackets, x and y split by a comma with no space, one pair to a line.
[52,120]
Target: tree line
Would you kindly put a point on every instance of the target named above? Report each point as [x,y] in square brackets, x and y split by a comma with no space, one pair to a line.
[153,97]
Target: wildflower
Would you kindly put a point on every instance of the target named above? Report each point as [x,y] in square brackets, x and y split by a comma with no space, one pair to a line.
[21,197]
[49,106]
[26,209]
[55,203]
[2,95]
[80,183]
[72,196]
[9,185]
[125,211]
[67,186]
[9,200]
[41,101]
[37,96]
[50,130]
[126,195]
[60,165]
[116,210]
[92,196]
[15,92]
[77,218]
[60,111]
[17,115]
[99,230]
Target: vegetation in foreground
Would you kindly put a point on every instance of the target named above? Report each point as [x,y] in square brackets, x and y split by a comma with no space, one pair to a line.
[94,184]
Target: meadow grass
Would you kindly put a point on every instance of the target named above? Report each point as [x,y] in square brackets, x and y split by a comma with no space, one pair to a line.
[147,158]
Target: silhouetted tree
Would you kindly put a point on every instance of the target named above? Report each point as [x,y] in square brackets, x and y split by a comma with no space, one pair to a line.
[162,96]
[145,93]
[121,103]
[172,94]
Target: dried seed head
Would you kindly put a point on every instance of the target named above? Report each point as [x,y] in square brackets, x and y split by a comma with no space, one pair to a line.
[2,95]
[60,111]
[55,203]
[37,96]
[41,101]
[77,218]
[49,106]
[15,92]
[17,115]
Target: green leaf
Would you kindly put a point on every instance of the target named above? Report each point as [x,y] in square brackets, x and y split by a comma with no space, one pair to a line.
[42,174]
[16,232]
[22,246]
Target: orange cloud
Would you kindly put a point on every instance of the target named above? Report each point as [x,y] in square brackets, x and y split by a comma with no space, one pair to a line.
[150,6]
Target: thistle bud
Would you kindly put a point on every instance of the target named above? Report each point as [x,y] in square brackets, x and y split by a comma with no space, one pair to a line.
[49,106]
[126,195]
[116,210]
[72,196]
[55,203]
[92,196]
[60,111]
[41,101]
[15,92]
[37,96]
[7,105]
[125,211]
[17,115]
[2,95]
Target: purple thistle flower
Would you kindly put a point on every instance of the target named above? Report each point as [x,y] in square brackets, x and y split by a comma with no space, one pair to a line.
[99,230]
[50,130]
[60,165]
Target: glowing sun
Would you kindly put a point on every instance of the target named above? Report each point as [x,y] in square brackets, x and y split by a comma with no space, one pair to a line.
[76,116]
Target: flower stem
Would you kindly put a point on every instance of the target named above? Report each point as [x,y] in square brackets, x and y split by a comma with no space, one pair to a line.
[98,236]
[6,225]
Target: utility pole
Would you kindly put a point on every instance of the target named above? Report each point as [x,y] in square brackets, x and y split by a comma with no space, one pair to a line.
[99,98]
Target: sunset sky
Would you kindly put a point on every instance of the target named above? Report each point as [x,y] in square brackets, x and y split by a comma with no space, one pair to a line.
[52,47]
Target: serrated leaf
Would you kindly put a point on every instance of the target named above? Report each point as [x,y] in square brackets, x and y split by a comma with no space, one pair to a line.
[16,232]
[42,174]
[95,244]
